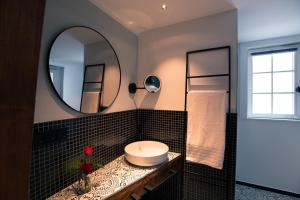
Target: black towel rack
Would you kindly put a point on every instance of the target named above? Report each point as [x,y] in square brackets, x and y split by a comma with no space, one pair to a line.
[228,74]
[101,82]
[187,77]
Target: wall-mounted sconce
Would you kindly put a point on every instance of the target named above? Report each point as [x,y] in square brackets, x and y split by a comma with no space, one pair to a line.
[151,83]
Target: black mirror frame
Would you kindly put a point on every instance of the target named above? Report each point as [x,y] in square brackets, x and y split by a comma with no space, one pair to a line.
[49,77]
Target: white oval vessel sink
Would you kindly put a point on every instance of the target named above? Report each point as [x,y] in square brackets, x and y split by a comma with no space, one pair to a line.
[146,153]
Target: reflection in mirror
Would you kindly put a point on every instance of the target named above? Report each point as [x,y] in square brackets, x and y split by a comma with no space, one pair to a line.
[84,70]
[92,88]
[152,84]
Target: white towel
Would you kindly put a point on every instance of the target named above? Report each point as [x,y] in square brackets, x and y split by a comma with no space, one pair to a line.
[206,127]
[90,102]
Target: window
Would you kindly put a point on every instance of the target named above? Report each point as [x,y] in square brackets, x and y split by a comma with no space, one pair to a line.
[57,77]
[272,81]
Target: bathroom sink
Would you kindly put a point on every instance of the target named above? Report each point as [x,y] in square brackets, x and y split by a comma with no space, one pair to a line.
[146,153]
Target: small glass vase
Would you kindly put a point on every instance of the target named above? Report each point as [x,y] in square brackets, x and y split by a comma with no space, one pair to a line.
[83,185]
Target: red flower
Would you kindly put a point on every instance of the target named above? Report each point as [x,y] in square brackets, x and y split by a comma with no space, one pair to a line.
[88,150]
[87,167]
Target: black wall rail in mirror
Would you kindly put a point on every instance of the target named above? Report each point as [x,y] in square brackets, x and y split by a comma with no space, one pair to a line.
[84,70]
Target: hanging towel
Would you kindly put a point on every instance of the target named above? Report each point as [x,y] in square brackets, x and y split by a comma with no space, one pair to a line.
[90,102]
[206,127]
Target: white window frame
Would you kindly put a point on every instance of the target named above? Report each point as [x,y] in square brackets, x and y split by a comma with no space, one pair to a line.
[296,115]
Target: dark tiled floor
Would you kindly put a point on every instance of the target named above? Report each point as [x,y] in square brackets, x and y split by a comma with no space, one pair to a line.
[249,193]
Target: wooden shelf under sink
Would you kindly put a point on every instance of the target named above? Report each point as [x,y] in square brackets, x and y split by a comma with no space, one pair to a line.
[151,186]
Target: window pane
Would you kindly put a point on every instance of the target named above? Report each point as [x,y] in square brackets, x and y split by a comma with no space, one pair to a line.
[283,82]
[261,104]
[261,63]
[283,61]
[261,83]
[283,104]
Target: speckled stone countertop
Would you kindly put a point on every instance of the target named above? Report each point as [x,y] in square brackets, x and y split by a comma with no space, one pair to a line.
[110,179]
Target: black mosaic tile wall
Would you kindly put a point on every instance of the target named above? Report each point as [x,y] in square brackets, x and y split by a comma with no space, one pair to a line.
[165,126]
[201,182]
[168,127]
[108,134]
[169,190]
[199,188]
[207,183]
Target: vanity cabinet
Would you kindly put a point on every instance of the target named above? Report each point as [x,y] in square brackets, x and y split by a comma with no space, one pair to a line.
[163,184]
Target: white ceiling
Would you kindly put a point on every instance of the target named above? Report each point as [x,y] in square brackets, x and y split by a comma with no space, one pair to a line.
[257,19]
[143,15]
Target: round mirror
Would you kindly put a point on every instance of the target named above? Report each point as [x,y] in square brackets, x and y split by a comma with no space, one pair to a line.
[152,84]
[84,70]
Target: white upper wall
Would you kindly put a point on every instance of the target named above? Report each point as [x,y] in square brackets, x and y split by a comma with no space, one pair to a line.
[267,150]
[265,19]
[162,53]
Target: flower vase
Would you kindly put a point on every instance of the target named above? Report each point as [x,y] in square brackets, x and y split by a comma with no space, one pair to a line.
[83,185]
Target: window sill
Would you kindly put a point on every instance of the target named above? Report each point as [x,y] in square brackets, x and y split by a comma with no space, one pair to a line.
[274,119]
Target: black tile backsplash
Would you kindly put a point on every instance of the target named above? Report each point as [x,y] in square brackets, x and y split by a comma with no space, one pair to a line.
[109,134]
[198,188]
[51,136]
[165,126]
[168,127]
